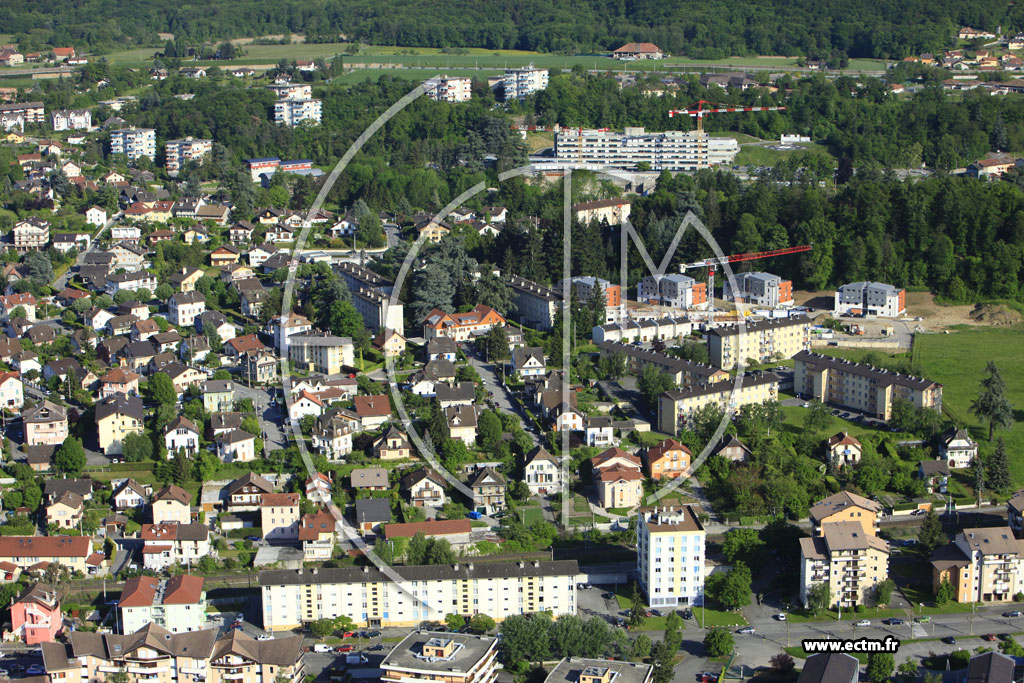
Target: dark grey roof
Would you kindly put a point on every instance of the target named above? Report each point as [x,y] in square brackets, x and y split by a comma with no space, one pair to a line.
[485,476]
[670,362]
[990,667]
[749,379]
[119,404]
[413,478]
[373,510]
[881,378]
[55,488]
[760,326]
[247,479]
[463,391]
[442,345]
[436,572]
[830,668]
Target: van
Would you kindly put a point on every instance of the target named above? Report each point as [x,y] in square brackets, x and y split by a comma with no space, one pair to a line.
[355,658]
[320,647]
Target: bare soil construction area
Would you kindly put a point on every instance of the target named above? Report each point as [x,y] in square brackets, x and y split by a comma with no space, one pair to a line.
[922,304]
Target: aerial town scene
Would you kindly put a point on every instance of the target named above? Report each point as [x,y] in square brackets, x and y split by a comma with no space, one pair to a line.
[561,342]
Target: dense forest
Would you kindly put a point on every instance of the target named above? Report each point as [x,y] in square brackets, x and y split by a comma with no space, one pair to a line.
[710,29]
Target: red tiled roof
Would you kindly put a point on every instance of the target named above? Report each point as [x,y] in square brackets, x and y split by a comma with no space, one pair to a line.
[95,560]
[138,591]
[372,406]
[183,589]
[639,47]
[442,527]
[619,472]
[44,546]
[313,525]
[279,499]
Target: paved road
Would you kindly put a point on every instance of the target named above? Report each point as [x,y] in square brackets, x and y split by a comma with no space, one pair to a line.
[500,394]
[271,416]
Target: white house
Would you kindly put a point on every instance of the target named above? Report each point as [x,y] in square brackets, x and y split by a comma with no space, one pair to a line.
[184,307]
[236,446]
[130,494]
[528,361]
[599,431]
[180,434]
[541,472]
[305,404]
[12,394]
[94,215]
[957,448]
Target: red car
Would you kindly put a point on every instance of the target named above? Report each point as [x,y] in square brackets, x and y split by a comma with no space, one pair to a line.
[989,637]
[344,648]
[348,634]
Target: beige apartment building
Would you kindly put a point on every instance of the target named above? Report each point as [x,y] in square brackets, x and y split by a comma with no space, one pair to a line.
[46,423]
[860,387]
[851,562]
[677,407]
[846,507]
[366,595]
[670,556]
[326,355]
[761,341]
[983,565]
[155,655]
[428,657]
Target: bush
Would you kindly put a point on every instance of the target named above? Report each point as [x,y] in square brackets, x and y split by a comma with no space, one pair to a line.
[860,609]
[959,659]
[718,642]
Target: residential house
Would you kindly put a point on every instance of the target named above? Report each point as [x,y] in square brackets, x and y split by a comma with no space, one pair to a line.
[332,433]
[279,516]
[118,416]
[317,533]
[184,307]
[119,381]
[369,479]
[393,445]
[957,448]
[130,494]
[167,544]
[460,423]
[12,395]
[371,513]
[425,488]
[172,505]
[448,396]
[181,434]
[935,475]
[731,448]
[36,615]
[599,432]
[528,361]
[488,487]
[218,395]
[45,423]
[65,512]
[618,478]
[373,411]
[442,347]
[461,326]
[390,343]
[25,552]
[305,404]
[236,446]
[843,449]
[667,459]
[542,472]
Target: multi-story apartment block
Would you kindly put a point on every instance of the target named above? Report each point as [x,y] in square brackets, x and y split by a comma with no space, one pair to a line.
[26,551]
[287,91]
[851,562]
[871,298]
[682,371]
[846,507]
[177,604]
[155,655]
[759,289]
[581,670]
[982,565]
[675,290]
[518,83]
[292,112]
[134,142]
[427,593]
[71,119]
[677,407]
[449,89]
[860,387]
[117,416]
[325,354]
[184,307]
[670,556]
[650,329]
[377,310]
[764,340]
[672,150]
[29,112]
[31,233]
[183,150]
[586,286]
[533,305]
[426,657]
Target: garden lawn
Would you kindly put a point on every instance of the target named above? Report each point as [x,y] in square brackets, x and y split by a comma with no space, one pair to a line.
[530,515]
[957,361]
[716,617]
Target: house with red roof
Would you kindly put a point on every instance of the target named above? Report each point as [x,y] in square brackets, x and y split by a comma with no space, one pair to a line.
[461,326]
[632,51]
[177,604]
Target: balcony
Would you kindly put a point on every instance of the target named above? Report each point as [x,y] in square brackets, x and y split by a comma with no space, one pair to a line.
[148,670]
[192,670]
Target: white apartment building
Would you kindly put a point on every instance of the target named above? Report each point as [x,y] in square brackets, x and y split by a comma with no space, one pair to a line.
[648,329]
[428,593]
[518,83]
[133,142]
[671,150]
[279,516]
[449,89]
[177,604]
[377,310]
[181,151]
[292,91]
[871,298]
[71,119]
[12,391]
[762,341]
[675,290]
[184,307]
[425,657]
[670,556]
[759,289]
[292,112]
[324,354]
[851,561]
[533,305]
[586,285]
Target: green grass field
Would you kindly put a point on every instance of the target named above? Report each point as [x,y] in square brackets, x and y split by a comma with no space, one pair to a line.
[957,361]
[714,617]
[755,155]
[530,515]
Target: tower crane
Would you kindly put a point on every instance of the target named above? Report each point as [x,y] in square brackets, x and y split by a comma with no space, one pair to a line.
[712,264]
[701,109]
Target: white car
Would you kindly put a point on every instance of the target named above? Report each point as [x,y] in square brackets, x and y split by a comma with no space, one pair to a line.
[265,637]
[780,617]
[862,623]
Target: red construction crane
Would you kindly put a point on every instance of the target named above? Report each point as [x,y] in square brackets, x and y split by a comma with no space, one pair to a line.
[712,264]
[701,109]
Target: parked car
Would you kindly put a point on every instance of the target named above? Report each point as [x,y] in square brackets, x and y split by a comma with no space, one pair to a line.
[925,619]
[780,617]
[373,634]
[36,670]
[320,647]
[949,640]
[376,648]
[893,622]
[1014,613]
[918,513]
[990,637]
[344,648]
[654,613]
[254,539]
[746,630]
[687,614]
[863,623]
[348,634]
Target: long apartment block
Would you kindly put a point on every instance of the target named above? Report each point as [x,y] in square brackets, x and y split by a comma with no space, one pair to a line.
[676,408]
[671,150]
[761,341]
[426,593]
[860,387]
[670,556]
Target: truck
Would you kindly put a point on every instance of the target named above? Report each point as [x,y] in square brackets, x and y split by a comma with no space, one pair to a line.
[355,658]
